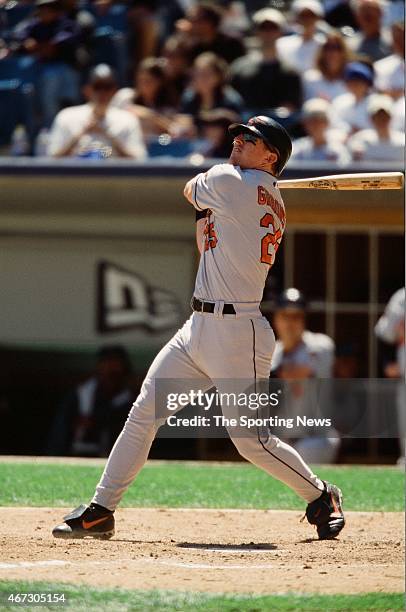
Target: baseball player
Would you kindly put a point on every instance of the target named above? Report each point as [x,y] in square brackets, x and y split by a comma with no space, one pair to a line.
[226,336]
[303,355]
[390,328]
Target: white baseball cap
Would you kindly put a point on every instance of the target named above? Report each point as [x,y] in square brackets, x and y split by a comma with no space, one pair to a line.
[378,102]
[271,15]
[307,5]
[316,107]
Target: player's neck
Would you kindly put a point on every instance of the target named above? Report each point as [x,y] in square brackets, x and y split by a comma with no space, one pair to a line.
[266,167]
[383,133]
[308,33]
[291,344]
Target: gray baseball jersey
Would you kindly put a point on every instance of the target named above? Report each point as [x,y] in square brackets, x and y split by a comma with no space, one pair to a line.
[315,351]
[242,233]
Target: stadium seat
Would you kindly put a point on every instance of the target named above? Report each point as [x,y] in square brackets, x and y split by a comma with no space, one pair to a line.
[174,148]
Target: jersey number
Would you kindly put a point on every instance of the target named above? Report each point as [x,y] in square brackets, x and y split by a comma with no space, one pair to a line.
[266,256]
[210,238]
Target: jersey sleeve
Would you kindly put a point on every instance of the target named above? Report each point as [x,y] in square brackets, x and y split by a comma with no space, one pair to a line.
[387,326]
[218,189]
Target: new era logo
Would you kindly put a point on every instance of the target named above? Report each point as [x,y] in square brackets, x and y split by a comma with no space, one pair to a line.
[125,300]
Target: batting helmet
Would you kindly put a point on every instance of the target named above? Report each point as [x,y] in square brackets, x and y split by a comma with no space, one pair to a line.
[272,133]
[292,299]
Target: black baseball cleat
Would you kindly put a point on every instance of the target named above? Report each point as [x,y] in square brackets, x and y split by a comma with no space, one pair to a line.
[92,521]
[326,512]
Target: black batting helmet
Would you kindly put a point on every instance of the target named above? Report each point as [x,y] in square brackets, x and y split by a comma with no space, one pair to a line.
[272,133]
[292,299]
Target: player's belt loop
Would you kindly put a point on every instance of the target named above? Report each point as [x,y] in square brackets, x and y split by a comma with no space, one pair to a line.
[218,309]
[197,305]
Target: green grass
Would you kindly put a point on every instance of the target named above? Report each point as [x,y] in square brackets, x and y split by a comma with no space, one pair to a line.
[200,485]
[84,598]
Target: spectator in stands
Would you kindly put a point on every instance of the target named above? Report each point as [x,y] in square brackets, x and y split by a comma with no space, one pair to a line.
[350,110]
[209,89]
[93,414]
[177,65]
[372,41]
[201,30]
[214,132]
[326,79]
[85,22]
[319,145]
[299,355]
[144,31]
[109,14]
[52,39]
[260,77]
[96,126]
[340,13]
[299,50]
[390,328]
[380,143]
[152,100]
[390,71]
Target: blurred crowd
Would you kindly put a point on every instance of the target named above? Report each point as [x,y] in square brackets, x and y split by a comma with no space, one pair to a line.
[137,79]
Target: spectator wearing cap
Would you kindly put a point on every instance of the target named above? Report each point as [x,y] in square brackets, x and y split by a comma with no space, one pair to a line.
[319,145]
[52,38]
[217,142]
[390,71]
[380,143]
[97,126]
[209,88]
[262,79]
[299,50]
[350,110]
[299,355]
[201,30]
[326,79]
[372,40]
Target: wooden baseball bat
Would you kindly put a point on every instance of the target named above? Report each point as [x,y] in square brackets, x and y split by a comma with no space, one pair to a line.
[348,182]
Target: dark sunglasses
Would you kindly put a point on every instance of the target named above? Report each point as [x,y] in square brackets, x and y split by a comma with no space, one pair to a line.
[248,137]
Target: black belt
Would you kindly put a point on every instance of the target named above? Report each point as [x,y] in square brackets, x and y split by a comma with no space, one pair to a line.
[200,306]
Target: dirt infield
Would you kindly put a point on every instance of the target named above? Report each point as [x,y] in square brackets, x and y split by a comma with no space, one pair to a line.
[209,550]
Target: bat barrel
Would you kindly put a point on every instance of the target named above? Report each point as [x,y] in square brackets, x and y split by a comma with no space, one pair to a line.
[348,182]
